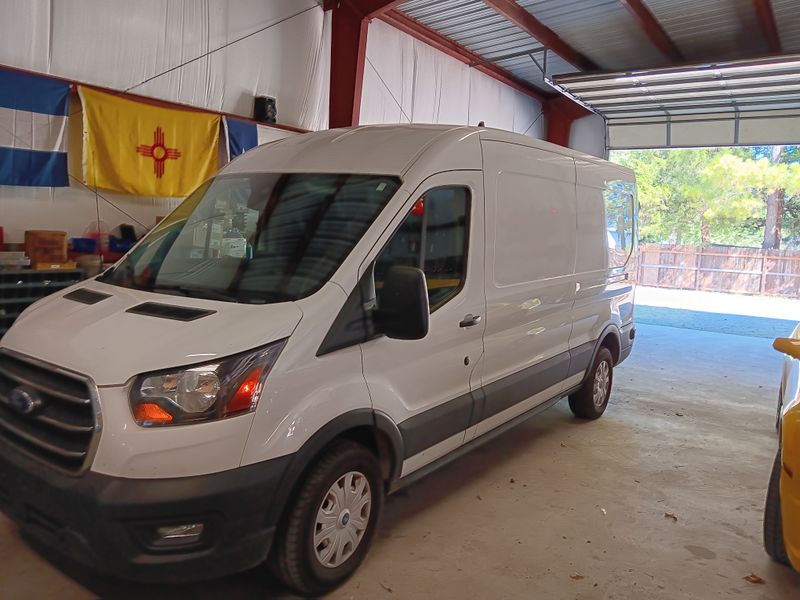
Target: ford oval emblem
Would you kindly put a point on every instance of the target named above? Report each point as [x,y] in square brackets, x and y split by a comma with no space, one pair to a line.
[24,400]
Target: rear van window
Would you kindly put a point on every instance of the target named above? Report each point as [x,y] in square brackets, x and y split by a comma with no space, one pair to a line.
[619,197]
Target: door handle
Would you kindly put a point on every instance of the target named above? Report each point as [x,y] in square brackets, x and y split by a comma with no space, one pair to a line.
[470,320]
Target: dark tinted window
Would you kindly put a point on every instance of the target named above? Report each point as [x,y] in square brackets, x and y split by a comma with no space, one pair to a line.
[257,237]
[433,237]
[620,217]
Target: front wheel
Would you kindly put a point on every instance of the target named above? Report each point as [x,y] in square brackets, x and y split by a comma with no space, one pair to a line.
[591,400]
[773,523]
[330,526]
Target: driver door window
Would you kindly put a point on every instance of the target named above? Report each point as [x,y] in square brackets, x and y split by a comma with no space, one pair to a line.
[433,237]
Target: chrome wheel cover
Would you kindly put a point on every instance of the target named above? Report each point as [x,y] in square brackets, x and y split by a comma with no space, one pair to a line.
[601,384]
[342,519]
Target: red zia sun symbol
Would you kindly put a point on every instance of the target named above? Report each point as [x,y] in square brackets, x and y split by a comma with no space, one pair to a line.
[158,152]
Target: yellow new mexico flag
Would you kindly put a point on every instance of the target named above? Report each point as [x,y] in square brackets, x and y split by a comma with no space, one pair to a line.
[138,148]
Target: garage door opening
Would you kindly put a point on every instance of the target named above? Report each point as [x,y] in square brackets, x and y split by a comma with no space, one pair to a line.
[719,232]
[719,219]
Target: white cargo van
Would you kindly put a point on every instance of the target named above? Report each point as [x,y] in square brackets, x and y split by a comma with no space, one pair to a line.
[331,317]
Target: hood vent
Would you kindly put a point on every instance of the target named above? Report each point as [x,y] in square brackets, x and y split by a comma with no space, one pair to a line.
[86,296]
[169,311]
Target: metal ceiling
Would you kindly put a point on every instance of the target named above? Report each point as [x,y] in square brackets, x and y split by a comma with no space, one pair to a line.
[603,30]
[726,98]
[608,34]
[477,27]
[787,18]
[711,29]
[731,87]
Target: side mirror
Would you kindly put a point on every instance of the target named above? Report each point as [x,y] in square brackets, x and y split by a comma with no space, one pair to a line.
[403,311]
[788,346]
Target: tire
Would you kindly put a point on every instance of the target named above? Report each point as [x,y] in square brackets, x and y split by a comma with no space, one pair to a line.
[295,560]
[773,523]
[582,403]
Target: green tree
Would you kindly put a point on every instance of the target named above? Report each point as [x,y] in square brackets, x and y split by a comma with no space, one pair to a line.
[684,197]
[767,180]
[740,196]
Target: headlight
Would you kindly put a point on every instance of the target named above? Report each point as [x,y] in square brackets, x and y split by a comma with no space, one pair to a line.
[203,392]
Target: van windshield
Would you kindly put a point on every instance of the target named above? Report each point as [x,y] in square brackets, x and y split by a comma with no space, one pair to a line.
[256,238]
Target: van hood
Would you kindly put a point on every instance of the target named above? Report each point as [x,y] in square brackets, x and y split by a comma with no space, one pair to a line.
[111,345]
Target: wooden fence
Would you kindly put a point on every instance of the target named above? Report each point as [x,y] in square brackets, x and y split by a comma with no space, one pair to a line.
[721,269]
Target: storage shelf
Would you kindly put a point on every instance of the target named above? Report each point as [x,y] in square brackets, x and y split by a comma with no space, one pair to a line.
[35,285]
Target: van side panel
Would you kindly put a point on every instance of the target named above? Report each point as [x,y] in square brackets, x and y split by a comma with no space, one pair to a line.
[605,242]
[530,263]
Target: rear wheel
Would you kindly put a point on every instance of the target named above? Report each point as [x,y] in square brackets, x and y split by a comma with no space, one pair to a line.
[591,400]
[773,523]
[329,528]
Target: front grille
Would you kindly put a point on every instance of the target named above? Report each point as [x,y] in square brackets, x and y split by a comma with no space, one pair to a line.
[61,423]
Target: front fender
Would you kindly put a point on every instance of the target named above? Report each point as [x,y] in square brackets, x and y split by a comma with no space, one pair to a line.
[305,457]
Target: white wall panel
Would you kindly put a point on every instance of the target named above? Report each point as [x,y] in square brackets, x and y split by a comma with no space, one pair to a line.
[588,135]
[25,34]
[132,42]
[439,89]
[378,104]
[405,80]
[120,44]
[388,92]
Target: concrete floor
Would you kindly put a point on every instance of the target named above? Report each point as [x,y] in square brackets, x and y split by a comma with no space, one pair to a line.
[561,509]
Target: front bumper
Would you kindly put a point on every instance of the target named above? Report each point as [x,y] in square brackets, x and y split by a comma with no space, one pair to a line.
[108,522]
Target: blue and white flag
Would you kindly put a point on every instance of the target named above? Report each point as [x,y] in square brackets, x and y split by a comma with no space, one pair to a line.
[33,130]
[243,135]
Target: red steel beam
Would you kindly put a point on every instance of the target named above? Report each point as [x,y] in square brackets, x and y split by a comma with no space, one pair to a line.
[766,18]
[653,30]
[535,28]
[444,44]
[375,8]
[350,22]
[348,49]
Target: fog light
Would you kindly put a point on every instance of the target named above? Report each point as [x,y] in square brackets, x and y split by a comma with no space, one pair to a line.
[179,535]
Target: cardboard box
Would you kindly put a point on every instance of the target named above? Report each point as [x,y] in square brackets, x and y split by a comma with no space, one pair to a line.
[46,246]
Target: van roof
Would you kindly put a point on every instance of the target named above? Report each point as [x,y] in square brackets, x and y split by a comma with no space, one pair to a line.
[378,149]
